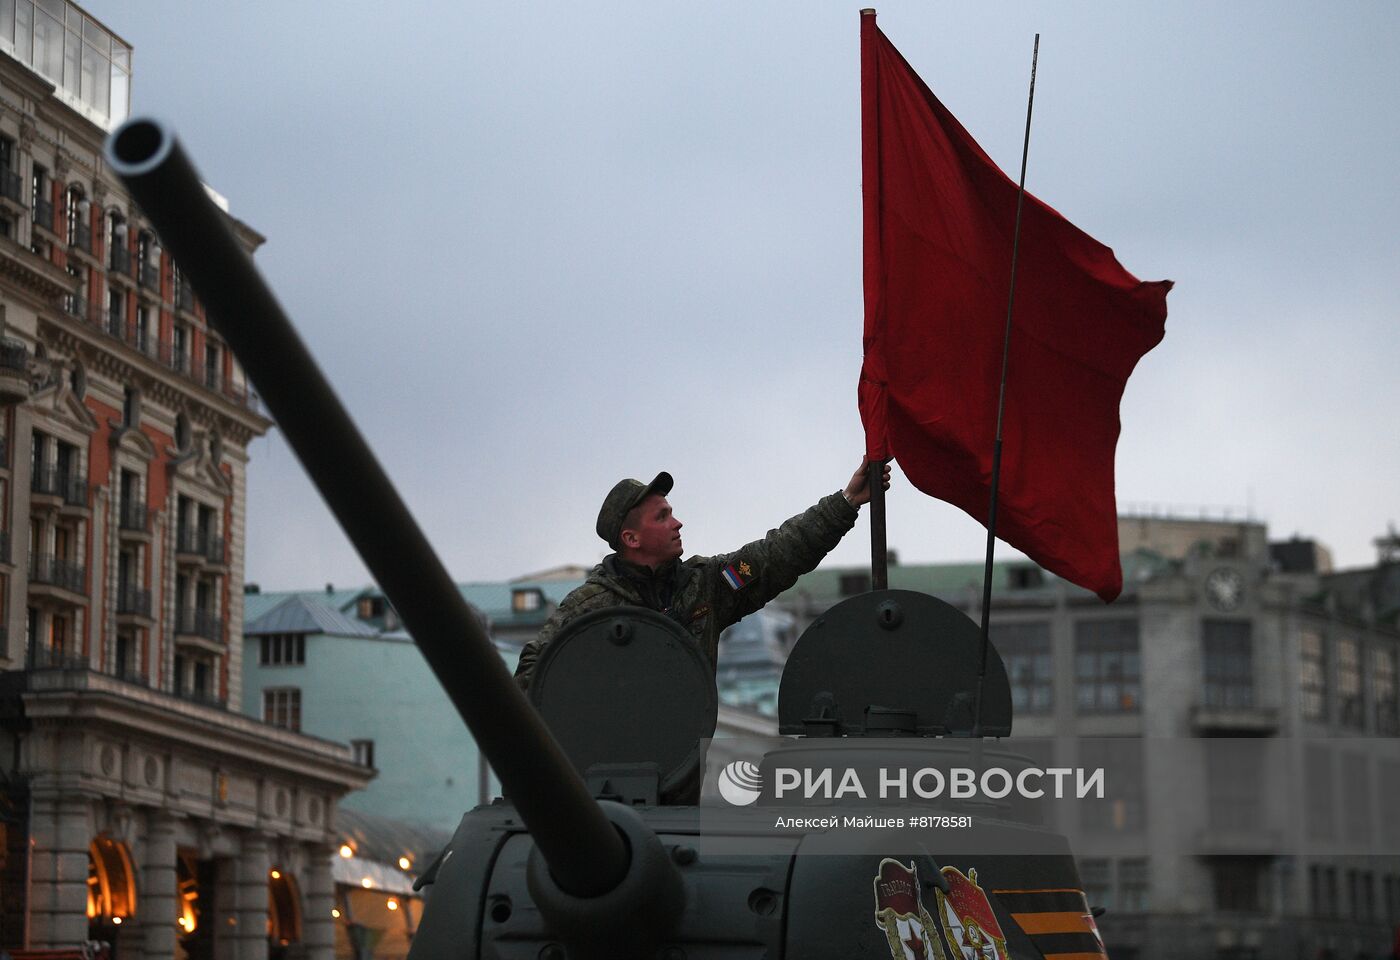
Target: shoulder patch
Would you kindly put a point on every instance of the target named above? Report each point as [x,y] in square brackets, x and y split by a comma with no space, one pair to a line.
[737,575]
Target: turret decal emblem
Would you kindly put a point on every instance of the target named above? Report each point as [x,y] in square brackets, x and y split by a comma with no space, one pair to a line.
[972,925]
[900,913]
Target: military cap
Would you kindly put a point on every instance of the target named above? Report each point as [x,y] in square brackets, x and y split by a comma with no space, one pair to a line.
[622,498]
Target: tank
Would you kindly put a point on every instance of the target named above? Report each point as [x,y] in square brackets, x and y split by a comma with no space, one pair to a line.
[615,837]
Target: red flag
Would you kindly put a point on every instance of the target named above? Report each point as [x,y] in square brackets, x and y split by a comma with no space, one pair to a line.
[939,221]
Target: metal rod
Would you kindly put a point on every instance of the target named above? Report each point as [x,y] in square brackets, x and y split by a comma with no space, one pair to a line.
[1001,407]
[585,854]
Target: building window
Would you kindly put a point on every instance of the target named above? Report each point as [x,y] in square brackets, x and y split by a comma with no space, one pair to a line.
[1227,655]
[1234,785]
[283,649]
[131,407]
[1025,649]
[1239,883]
[1025,577]
[851,584]
[1312,675]
[75,207]
[1349,709]
[1132,885]
[1384,692]
[39,200]
[363,751]
[1331,901]
[1107,667]
[1123,807]
[1096,878]
[213,366]
[282,707]
[526,601]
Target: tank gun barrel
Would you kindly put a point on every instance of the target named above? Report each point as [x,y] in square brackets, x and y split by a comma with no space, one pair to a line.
[586,856]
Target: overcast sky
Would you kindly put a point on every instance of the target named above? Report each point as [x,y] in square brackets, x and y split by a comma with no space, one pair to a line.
[542,246]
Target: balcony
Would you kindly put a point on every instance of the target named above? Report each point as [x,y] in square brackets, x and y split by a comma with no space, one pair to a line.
[58,572]
[148,276]
[51,486]
[1216,720]
[133,602]
[114,323]
[133,519]
[190,545]
[193,622]
[4,549]
[45,658]
[203,697]
[77,306]
[178,360]
[11,186]
[80,238]
[43,216]
[119,260]
[14,372]
[216,551]
[184,298]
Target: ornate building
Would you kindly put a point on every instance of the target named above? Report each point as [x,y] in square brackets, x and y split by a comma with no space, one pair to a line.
[136,807]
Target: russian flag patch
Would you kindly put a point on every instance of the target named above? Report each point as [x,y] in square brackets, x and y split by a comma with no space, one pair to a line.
[736,576]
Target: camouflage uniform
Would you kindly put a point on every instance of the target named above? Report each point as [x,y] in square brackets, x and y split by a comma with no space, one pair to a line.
[705,594]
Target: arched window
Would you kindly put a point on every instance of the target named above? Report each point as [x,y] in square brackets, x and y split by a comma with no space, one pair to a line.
[75,207]
[118,254]
[111,883]
[148,261]
[283,909]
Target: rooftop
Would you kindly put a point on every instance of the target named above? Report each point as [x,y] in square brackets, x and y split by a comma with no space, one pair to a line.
[89,65]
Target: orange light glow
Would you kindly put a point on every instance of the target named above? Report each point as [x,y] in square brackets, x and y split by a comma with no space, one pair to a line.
[276,874]
[347,851]
[366,883]
[405,863]
[392,904]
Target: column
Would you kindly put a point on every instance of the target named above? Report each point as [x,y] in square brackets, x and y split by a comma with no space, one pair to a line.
[68,919]
[318,891]
[250,898]
[42,838]
[156,901]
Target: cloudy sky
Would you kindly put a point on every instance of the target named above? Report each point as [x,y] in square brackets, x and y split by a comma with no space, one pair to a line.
[541,246]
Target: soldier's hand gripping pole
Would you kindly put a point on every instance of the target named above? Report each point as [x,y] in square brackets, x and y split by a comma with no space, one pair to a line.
[586,855]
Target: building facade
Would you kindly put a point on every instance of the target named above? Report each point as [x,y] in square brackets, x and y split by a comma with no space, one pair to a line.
[136,807]
[1244,696]
[307,654]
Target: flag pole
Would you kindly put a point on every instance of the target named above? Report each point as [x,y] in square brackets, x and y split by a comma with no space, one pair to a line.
[874,469]
[879,553]
[1001,406]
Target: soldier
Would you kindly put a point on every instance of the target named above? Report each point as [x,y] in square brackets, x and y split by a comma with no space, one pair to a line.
[703,594]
